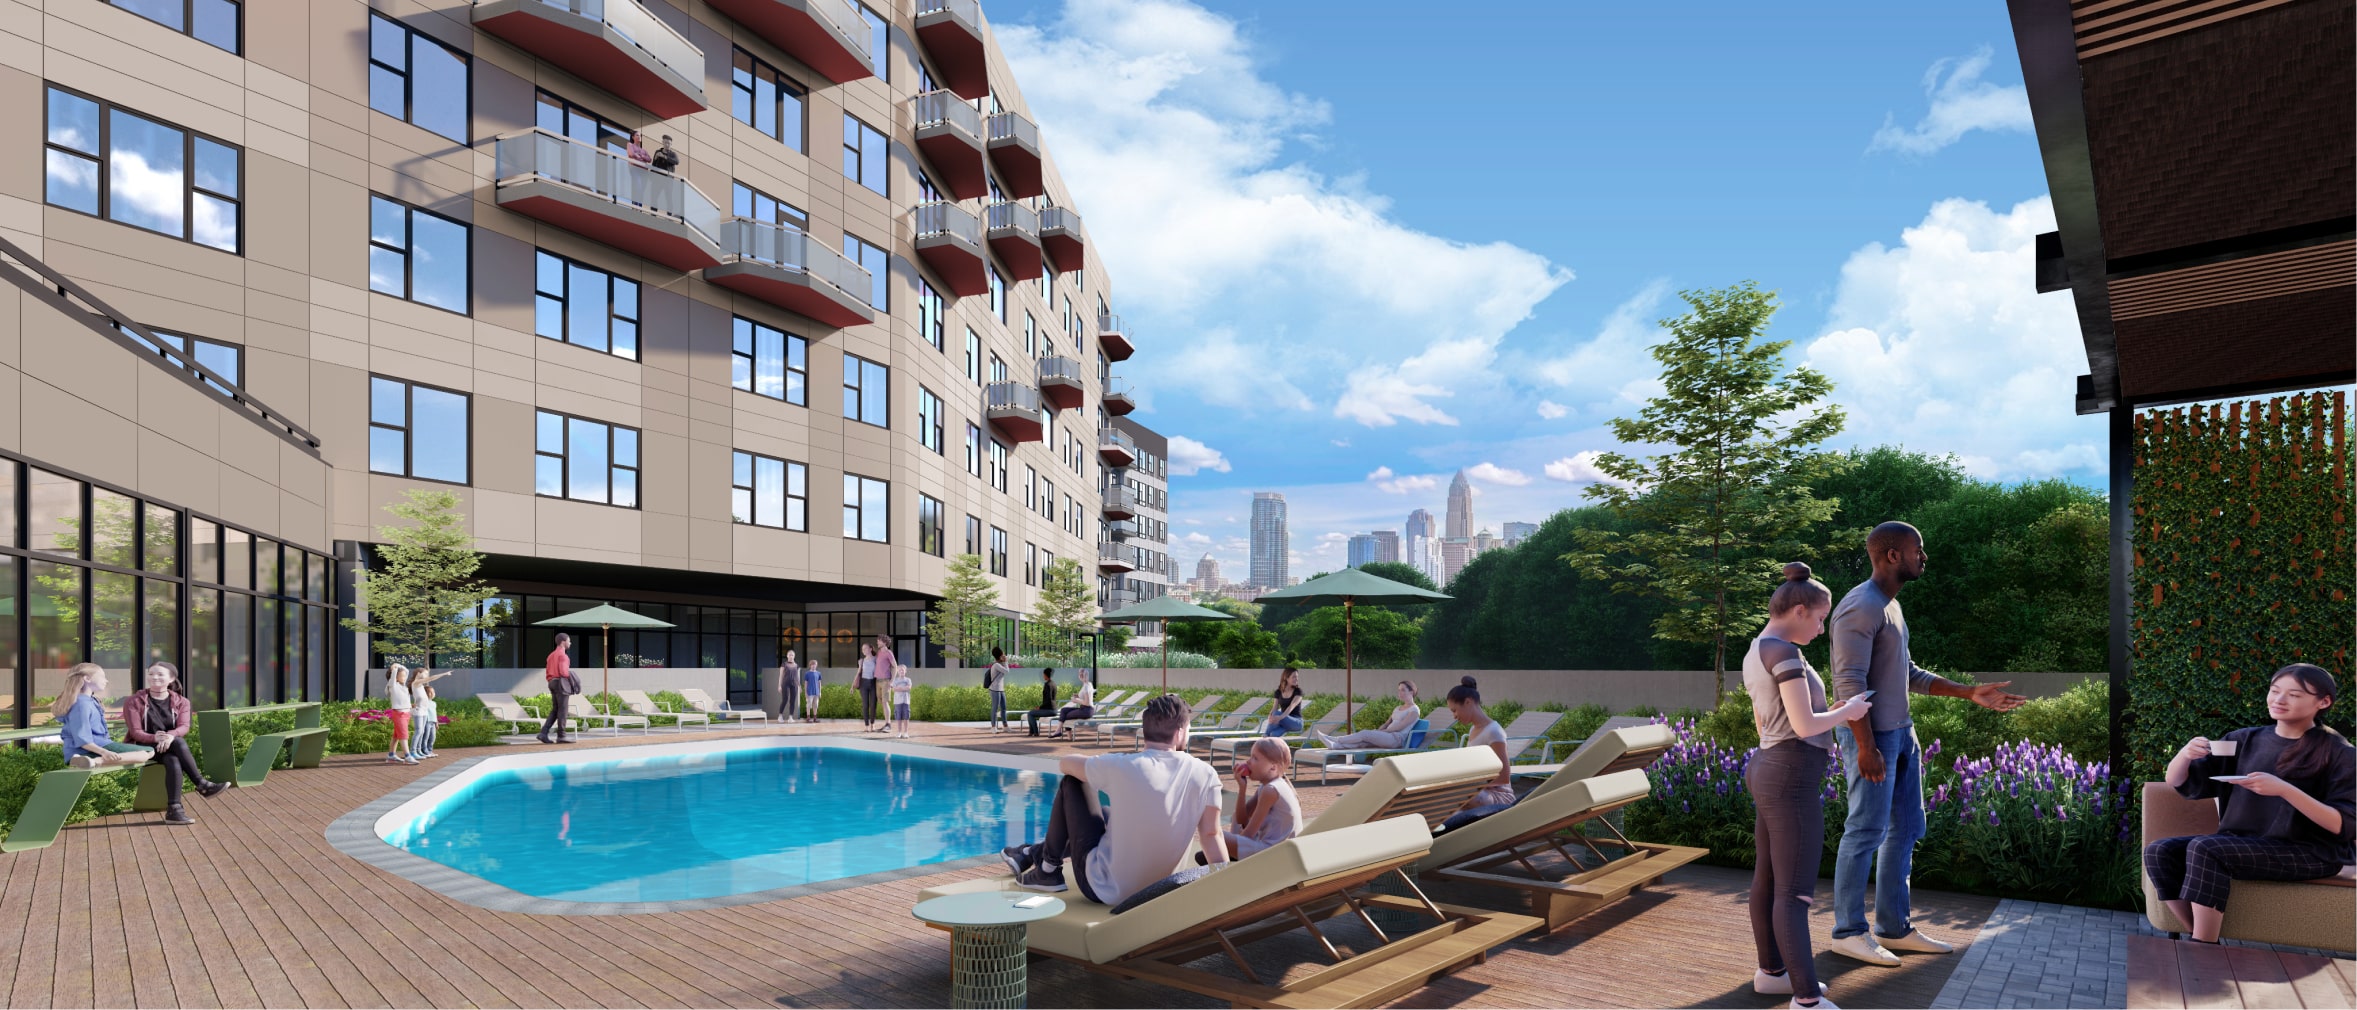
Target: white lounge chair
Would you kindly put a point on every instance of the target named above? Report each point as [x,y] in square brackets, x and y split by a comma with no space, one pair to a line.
[1204,719]
[505,708]
[585,712]
[1231,746]
[1114,708]
[703,703]
[639,702]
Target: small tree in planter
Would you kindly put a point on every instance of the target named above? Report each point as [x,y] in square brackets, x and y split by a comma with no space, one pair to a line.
[424,599]
[963,626]
[1067,607]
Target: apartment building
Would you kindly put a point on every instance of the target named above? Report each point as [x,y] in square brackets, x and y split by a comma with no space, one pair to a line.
[831,320]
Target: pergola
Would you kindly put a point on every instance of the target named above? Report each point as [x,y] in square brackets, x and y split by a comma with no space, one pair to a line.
[2204,174]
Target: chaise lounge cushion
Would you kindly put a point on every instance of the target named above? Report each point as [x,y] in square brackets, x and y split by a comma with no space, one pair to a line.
[1399,773]
[1091,932]
[2317,913]
[1603,749]
[1161,887]
[1533,812]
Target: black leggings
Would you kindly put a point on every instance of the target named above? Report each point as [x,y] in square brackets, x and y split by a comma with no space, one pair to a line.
[867,702]
[1788,839]
[178,763]
[1072,832]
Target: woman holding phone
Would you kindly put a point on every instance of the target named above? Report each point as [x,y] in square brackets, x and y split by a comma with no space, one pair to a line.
[2287,804]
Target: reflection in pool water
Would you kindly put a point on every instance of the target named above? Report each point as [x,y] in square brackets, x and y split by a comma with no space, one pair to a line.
[709,825]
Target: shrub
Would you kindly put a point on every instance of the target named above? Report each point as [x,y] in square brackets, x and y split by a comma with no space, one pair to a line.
[2078,720]
[1732,723]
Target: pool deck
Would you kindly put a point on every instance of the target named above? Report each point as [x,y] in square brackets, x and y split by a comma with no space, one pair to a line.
[290,921]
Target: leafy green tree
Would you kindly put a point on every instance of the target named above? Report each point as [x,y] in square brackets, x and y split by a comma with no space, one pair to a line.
[1276,614]
[1524,609]
[1379,638]
[964,626]
[423,599]
[1731,500]
[1875,486]
[1065,608]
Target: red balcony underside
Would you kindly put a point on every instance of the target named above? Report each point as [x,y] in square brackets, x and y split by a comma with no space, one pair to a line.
[961,268]
[1119,404]
[790,291]
[1117,346]
[789,27]
[1066,249]
[1111,565]
[1116,456]
[590,56]
[659,239]
[1018,170]
[1019,426]
[957,55]
[1119,511]
[1020,253]
[1065,394]
[958,162]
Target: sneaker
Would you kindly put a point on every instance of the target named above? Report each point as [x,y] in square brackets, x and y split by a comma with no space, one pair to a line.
[1018,857]
[1821,1004]
[1043,878]
[1916,943]
[1863,948]
[211,789]
[393,759]
[1771,985]
[408,760]
[82,761]
[178,816]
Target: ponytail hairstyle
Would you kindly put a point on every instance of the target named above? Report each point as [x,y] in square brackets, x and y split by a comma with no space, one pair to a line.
[2312,752]
[1798,590]
[1465,691]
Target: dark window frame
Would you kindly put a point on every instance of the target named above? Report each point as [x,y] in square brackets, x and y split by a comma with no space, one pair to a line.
[188,22]
[998,552]
[565,461]
[855,391]
[786,495]
[932,422]
[409,80]
[408,253]
[408,428]
[743,60]
[859,530]
[102,165]
[932,515]
[565,305]
[752,357]
[856,134]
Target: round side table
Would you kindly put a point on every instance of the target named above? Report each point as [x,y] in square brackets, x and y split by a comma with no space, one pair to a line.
[987,957]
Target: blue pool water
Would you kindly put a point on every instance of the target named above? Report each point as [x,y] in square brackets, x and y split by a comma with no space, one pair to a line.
[711,825]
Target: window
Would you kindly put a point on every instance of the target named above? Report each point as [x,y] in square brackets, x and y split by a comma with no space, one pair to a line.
[867,391]
[973,536]
[585,306]
[766,100]
[930,535]
[747,202]
[1047,499]
[418,431]
[998,294]
[973,356]
[1030,563]
[998,465]
[1030,487]
[1030,336]
[867,507]
[879,42]
[866,158]
[585,460]
[770,362]
[932,316]
[1071,517]
[764,491]
[560,116]
[122,166]
[415,79]
[214,22]
[973,449]
[879,268]
[418,255]
[998,369]
[930,424]
[998,552]
[227,360]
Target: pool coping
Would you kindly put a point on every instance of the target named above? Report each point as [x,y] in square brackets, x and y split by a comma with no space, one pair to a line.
[355,833]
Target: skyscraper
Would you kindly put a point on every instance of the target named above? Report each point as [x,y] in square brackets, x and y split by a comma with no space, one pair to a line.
[1207,570]
[1423,554]
[1363,548]
[1420,524]
[1386,545]
[1270,543]
[1460,522]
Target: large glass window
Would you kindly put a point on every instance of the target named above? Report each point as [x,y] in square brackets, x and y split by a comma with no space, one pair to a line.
[770,362]
[866,158]
[998,294]
[122,166]
[974,449]
[998,552]
[930,517]
[879,42]
[562,116]
[879,268]
[998,465]
[766,100]
[973,356]
[214,22]
[932,315]
[419,431]
[867,391]
[415,79]
[974,536]
[769,492]
[867,508]
[418,255]
[585,306]
[930,423]
[585,460]
[747,202]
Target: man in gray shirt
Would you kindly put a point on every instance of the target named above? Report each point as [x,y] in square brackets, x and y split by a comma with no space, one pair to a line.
[1880,755]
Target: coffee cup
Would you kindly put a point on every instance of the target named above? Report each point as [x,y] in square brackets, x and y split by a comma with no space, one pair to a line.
[2224,750]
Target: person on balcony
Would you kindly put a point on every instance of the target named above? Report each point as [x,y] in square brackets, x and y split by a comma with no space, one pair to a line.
[2287,804]
[666,159]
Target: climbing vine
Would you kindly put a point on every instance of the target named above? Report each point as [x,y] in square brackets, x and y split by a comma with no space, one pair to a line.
[2242,563]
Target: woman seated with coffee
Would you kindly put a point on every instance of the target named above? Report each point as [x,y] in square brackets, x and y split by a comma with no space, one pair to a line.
[2287,804]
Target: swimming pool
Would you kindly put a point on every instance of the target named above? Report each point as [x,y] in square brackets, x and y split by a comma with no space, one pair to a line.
[673,826]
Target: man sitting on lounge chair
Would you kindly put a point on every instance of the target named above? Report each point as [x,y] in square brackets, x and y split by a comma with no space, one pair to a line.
[1155,797]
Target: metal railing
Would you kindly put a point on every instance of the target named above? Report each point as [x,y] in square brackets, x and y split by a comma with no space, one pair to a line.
[790,248]
[1013,126]
[1059,219]
[1112,438]
[843,21]
[945,108]
[643,29]
[1109,323]
[1120,499]
[1118,386]
[1121,553]
[1057,366]
[1008,215]
[942,218]
[609,175]
[968,11]
[1011,396]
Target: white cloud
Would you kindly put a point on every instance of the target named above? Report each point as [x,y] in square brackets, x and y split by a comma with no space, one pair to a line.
[1189,457]
[1551,410]
[1961,102]
[1381,473]
[1616,366]
[1580,468]
[1412,482]
[1943,344]
[1491,473]
[1195,539]
[1340,443]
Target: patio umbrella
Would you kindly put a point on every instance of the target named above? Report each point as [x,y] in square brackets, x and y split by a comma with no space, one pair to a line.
[607,617]
[1164,608]
[1348,587]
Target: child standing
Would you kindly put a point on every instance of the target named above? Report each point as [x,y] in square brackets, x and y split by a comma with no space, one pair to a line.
[425,715]
[812,681]
[400,706]
[902,687]
[1267,815]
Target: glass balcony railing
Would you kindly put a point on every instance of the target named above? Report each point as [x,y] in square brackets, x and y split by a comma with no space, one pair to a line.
[1008,215]
[1063,219]
[790,248]
[1011,396]
[942,219]
[945,108]
[608,175]
[642,29]
[1010,126]
[1062,368]
[841,20]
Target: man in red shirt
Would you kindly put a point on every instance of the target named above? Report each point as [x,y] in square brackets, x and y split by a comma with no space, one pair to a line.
[561,686]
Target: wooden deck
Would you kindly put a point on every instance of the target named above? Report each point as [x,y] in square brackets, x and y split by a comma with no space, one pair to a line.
[2183,975]
[252,907]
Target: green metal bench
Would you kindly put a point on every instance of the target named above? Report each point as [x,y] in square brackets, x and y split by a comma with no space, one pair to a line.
[56,792]
[214,732]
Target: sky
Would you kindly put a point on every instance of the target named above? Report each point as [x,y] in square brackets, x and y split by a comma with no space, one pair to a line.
[1364,245]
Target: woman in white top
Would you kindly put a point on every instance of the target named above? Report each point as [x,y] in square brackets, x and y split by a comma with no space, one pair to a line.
[1482,731]
[1082,705]
[400,707]
[995,681]
[1393,734]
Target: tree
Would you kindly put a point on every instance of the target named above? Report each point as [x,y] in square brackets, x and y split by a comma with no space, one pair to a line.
[1380,638]
[1067,606]
[1524,609]
[963,625]
[1276,614]
[1731,500]
[423,598]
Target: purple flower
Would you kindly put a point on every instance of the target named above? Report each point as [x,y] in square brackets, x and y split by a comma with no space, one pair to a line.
[1992,815]
[2036,814]
[2060,814]
[1689,808]
[1932,750]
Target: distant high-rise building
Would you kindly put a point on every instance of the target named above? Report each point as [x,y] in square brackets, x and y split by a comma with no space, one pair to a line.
[1207,570]
[1386,545]
[1460,515]
[1270,543]
[1420,524]
[1361,550]
[1483,543]
[1518,532]
[1454,553]
[1423,555]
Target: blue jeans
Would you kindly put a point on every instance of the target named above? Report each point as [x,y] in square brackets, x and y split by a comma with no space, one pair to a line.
[998,708]
[1886,819]
[1283,725]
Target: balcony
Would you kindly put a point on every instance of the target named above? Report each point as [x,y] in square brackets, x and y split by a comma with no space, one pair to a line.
[600,194]
[949,239]
[1115,448]
[1114,337]
[614,44]
[1118,401]
[782,266]
[1116,558]
[1116,599]
[1061,237]
[949,134]
[827,35]
[1121,529]
[1014,408]
[1014,148]
[951,32]
[1120,503]
[1014,236]
[1062,383]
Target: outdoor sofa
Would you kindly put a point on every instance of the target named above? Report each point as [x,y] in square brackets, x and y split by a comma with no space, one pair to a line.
[2306,913]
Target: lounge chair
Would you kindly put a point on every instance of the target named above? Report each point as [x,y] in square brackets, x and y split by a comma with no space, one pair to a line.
[1548,766]
[1431,784]
[505,708]
[1605,776]
[1244,721]
[1235,745]
[703,703]
[640,703]
[586,713]
[1360,761]
[1115,708]
[1204,719]
[1528,728]
[1289,886]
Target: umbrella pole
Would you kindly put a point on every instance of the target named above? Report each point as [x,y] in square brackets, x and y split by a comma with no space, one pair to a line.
[605,672]
[1348,667]
[1166,657]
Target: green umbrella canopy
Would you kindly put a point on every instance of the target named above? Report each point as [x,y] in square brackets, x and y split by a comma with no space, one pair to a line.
[604,616]
[1354,586]
[1164,608]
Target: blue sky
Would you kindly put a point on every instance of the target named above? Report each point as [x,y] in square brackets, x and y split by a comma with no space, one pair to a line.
[1363,245]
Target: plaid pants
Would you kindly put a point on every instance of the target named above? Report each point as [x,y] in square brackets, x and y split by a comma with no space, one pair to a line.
[2202,868]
